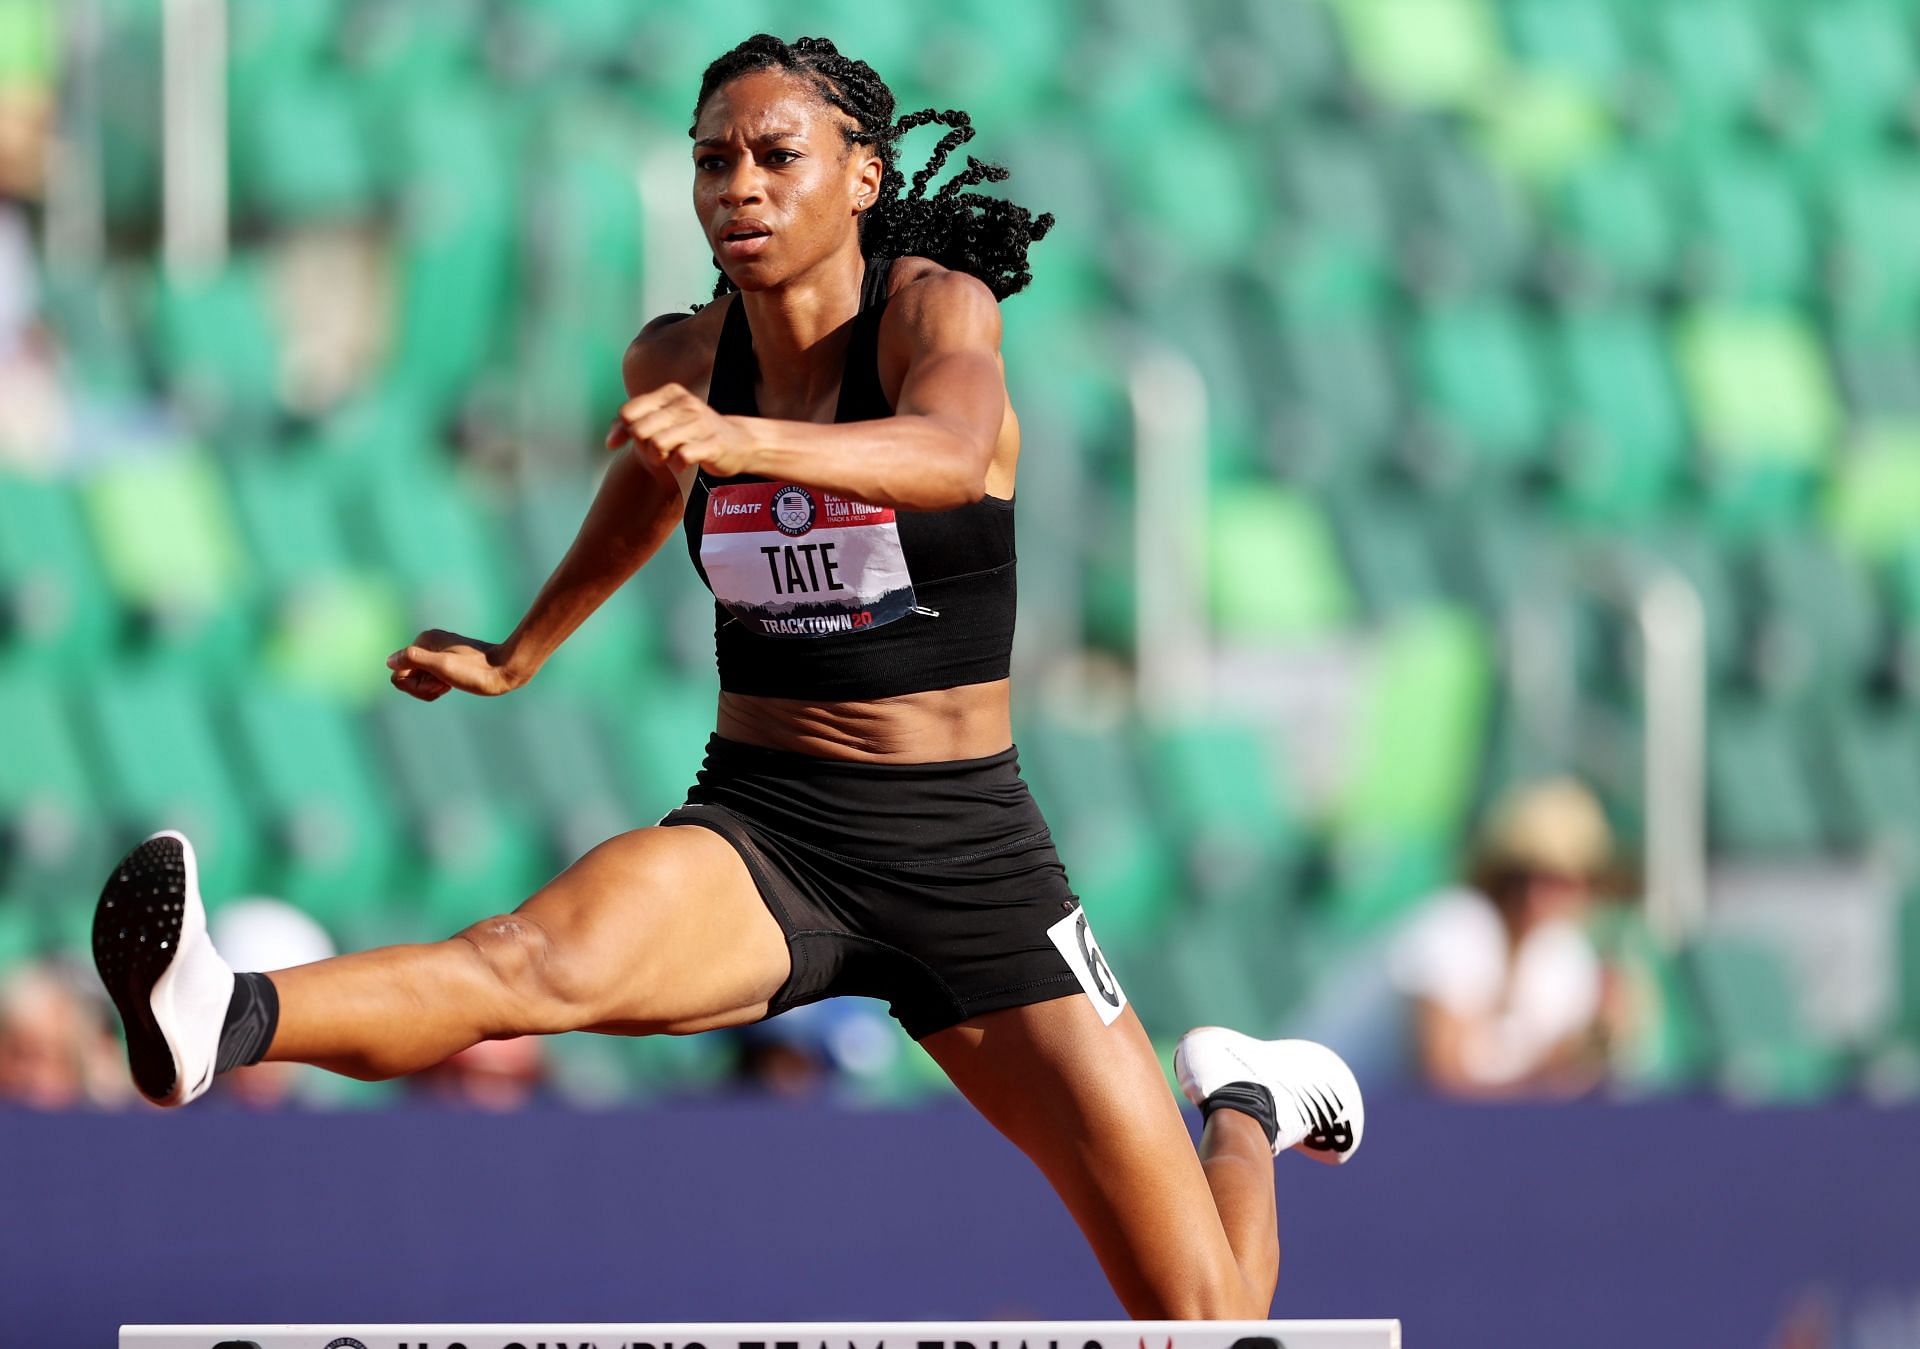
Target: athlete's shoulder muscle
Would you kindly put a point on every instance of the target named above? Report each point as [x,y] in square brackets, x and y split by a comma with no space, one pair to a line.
[935,311]
[674,349]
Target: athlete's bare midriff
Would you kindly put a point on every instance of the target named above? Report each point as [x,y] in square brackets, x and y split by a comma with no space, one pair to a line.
[969,722]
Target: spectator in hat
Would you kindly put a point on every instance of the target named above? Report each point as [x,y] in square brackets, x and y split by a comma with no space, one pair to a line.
[1505,991]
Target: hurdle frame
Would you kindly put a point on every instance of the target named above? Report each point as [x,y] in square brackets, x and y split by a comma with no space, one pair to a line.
[1367,1334]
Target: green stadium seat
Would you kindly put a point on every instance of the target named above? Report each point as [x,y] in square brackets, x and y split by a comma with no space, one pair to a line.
[660,732]
[1544,128]
[319,789]
[1822,628]
[625,632]
[584,254]
[1578,38]
[299,151]
[332,637]
[1387,539]
[329,622]
[1480,377]
[164,529]
[1753,244]
[1331,178]
[1617,227]
[571,774]
[1759,789]
[1090,785]
[1759,387]
[1220,785]
[1264,55]
[1210,969]
[1907,1020]
[457,240]
[55,609]
[1468,229]
[1627,441]
[1872,756]
[1872,505]
[1496,551]
[1876,217]
[1212,327]
[216,340]
[99,339]
[129,83]
[1424,54]
[1421,713]
[1274,571]
[550,38]
[1763,1046]
[281,40]
[1718,64]
[1186,177]
[1006,65]
[1346,387]
[162,766]
[472,827]
[1332,278]
[1859,55]
[1880,372]
[431,530]
[54,841]
[289,519]
[29,46]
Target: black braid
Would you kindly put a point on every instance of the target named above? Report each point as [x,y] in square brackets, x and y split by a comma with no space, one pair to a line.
[966,231]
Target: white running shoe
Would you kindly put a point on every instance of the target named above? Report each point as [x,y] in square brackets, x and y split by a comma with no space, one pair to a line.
[172,988]
[1315,1096]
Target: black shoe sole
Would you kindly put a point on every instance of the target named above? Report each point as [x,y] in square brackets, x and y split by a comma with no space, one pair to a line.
[136,935]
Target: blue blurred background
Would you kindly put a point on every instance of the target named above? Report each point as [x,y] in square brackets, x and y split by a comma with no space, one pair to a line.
[1424,401]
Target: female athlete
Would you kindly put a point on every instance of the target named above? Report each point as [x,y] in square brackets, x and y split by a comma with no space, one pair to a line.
[835,435]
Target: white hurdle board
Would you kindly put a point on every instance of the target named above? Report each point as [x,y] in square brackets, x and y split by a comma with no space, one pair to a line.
[790,1335]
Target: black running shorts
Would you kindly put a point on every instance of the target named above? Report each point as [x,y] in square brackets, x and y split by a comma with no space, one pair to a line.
[934,886]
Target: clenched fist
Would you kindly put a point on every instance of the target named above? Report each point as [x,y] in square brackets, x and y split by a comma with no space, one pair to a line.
[437,661]
[673,427]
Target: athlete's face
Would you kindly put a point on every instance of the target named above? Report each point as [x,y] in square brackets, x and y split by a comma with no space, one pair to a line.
[775,182]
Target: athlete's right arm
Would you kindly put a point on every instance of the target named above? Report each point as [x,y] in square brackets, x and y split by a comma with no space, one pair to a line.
[633,513]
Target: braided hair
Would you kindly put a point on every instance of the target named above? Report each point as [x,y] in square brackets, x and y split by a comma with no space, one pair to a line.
[965,231]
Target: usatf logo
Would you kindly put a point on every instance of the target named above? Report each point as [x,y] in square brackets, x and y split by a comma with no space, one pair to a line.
[793,510]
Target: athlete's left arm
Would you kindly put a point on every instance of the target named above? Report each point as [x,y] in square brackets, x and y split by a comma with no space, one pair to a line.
[932,454]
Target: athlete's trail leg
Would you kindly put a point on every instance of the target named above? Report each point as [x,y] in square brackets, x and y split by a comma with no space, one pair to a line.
[657,930]
[1180,1236]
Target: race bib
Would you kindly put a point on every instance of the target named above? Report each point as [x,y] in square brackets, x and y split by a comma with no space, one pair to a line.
[791,561]
[1073,938]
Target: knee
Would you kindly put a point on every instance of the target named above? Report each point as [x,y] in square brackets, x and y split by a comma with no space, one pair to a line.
[542,986]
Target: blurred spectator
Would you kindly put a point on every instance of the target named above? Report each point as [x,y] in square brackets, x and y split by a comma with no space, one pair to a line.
[32,405]
[495,1075]
[266,934]
[815,1047]
[1506,991]
[57,1047]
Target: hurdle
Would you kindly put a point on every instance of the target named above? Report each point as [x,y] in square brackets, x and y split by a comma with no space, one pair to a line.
[1380,1334]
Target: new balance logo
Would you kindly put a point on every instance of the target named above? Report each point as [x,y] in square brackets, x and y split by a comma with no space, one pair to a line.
[1329,1134]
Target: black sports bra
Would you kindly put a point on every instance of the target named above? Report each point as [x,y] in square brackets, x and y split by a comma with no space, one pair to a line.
[821,597]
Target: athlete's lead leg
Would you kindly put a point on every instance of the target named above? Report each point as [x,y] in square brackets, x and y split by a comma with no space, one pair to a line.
[660,929]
